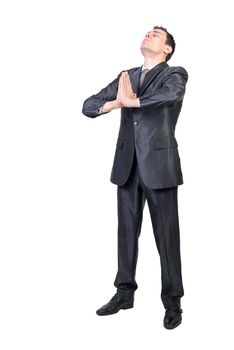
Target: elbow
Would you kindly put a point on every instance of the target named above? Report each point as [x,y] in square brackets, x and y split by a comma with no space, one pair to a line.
[84,111]
[87,111]
[176,96]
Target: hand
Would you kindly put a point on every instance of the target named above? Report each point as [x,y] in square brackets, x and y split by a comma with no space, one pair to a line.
[125,95]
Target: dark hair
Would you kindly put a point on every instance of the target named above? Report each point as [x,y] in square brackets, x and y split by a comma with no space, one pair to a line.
[169,41]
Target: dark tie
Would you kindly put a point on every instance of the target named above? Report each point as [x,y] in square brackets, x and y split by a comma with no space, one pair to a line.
[143,73]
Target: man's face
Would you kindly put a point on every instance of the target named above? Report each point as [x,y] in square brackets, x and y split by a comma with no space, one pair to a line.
[155,42]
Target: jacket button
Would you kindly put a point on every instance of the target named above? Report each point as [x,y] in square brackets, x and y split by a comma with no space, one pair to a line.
[135,123]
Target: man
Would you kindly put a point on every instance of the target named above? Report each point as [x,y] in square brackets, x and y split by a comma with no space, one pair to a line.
[147,166]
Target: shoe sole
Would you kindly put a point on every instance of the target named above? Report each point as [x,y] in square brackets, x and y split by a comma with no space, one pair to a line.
[172,327]
[111,313]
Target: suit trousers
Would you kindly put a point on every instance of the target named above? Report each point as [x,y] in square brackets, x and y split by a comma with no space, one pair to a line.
[163,209]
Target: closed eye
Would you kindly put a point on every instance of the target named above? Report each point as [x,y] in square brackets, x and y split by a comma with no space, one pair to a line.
[156,34]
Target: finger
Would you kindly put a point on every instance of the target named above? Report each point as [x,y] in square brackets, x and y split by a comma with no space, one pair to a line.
[122,80]
[129,85]
[124,83]
[119,92]
[122,77]
[121,86]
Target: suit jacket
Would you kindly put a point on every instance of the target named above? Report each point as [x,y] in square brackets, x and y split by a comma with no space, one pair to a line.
[150,129]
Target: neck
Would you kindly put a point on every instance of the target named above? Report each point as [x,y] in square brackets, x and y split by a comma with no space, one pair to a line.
[151,61]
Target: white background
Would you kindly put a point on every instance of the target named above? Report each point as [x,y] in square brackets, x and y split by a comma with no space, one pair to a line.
[58,250]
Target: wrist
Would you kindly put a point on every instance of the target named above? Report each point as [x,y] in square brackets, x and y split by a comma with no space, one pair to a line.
[132,103]
[137,102]
[110,105]
[116,104]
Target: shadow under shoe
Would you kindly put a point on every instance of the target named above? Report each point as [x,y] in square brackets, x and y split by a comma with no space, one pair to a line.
[172,318]
[116,303]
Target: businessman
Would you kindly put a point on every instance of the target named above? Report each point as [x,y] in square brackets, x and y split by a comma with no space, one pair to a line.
[147,167]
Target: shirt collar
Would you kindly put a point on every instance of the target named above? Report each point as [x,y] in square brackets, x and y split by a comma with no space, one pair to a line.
[150,67]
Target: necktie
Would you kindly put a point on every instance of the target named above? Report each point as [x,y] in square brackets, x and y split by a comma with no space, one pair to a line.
[143,73]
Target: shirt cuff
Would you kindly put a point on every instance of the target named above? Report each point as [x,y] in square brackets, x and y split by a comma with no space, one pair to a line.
[99,110]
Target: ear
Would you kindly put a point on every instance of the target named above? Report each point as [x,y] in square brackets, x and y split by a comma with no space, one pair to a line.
[167,49]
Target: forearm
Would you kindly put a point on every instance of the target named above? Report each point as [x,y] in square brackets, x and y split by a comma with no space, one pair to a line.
[171,92]
[110,105]
[93,104]
[131,103]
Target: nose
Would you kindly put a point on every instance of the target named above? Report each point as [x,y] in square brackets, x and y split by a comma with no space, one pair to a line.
[148,35]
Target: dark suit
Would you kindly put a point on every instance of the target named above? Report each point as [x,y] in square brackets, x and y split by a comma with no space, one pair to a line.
[147,166]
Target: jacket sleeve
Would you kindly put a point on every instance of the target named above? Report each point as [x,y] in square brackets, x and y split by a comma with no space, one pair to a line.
[171,92]
[91,106]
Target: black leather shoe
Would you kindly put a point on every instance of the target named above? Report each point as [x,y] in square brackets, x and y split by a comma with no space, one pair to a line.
[114,305]
[172,318]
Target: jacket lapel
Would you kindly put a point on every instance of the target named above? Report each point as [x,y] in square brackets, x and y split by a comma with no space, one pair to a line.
[152,74]
[135,78]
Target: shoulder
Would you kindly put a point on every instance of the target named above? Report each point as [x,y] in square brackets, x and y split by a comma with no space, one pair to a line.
[130,70]
[177,69]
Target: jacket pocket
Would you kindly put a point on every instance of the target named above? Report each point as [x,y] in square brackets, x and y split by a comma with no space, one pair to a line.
[165,142]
